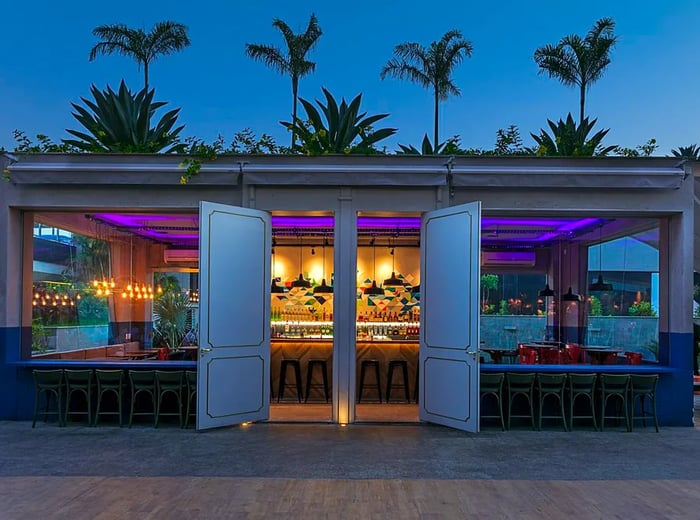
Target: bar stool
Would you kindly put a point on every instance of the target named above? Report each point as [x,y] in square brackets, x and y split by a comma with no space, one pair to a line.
[582,385]
[109,382]
[615,387]
[142,382]
[491,384]
[521,385]
[169,382]
[364,365]
[296,365]
[79,381]
[191,384]
[49,383]
[643,387]
[552,386]
[323,365]
[398,364]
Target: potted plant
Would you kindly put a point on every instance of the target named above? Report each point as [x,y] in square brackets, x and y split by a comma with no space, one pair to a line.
[169,318]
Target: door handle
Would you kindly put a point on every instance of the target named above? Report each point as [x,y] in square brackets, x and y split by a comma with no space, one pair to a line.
[472,352]
[204,350]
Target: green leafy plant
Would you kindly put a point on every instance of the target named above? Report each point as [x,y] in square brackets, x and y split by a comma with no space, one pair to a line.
[169,317]
[426,148]
[40,337]
[571,140]
[345,129]
[43,144]
[643,150]
[577,61]
[503,308]
[641,309]
[121,122]
[596,306]
[691,152]
[488,283]
[165,38]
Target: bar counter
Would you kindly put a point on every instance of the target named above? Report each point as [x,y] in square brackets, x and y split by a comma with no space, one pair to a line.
[305,349]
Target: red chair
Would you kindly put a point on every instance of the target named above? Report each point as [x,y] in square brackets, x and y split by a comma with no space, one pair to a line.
[572,354]
[527,355]
[634,358]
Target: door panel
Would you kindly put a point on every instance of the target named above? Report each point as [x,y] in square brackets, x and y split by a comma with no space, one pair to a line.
[449,339]
[234,353]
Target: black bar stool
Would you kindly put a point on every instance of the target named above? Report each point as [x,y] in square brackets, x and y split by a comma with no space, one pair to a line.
[323,365]
[294,363]
[49,383]
[109,382]
[80,382]
[364,365]
[398,364]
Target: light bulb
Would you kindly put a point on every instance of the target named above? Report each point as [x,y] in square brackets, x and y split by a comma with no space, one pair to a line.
[123,294]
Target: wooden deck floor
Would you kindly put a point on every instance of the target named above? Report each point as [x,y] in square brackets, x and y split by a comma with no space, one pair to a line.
[198,497]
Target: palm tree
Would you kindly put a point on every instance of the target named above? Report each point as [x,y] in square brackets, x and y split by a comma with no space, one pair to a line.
[292,63]
[430,67]
[579,61]
[165,38]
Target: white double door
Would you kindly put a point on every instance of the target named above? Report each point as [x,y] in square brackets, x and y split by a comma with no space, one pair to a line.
[233,384]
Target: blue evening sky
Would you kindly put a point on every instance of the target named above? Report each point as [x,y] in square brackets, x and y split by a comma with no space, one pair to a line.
[651,89]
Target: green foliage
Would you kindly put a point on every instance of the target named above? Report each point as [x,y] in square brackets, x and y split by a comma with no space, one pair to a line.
[641,309]
[165,38]
[430,67]
[169,317]
[489,282]
[121,123]
[426,148]
[43,144]
[596,307]
[345,129]
[691,152]
[577,61]
[40,336]
[643,150]
[503,308]
[571,140]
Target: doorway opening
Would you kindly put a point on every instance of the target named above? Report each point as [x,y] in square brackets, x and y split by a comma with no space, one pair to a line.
[387,319]
[301,317]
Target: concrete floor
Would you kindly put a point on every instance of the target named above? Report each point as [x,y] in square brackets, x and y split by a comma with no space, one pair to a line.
[84,460]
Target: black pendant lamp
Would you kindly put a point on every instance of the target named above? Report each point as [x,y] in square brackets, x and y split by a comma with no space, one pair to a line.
[546,292]
[323,288]
[571,296]
[373,290]
[600,285]
[392,281]
[301,281]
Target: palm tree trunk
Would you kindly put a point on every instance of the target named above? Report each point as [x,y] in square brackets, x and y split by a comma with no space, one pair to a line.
[435,133]
[295,90]
[145,75]
[583,101]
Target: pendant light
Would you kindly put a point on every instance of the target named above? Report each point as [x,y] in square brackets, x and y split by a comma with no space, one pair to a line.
[393,281]
[570,296]
[546,292]
[301,281]
[373,290]
[323,288]
[599,285]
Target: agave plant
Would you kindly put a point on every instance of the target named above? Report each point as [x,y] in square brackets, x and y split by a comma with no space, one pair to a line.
[571,140]
[425,149]
[121,122]
[345,130]
[691,152]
